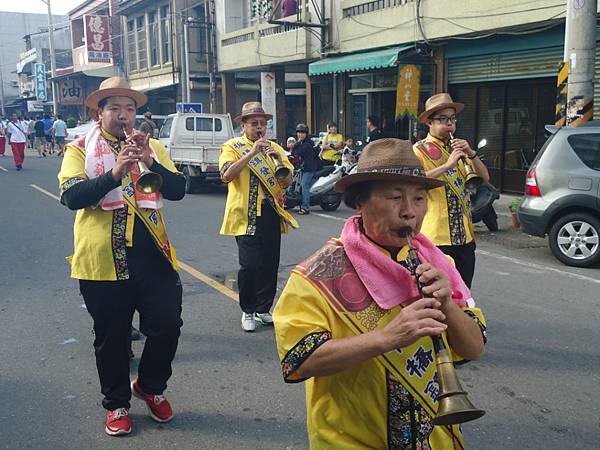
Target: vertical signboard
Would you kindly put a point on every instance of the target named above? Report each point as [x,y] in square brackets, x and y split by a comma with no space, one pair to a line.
[407,92]
[97,39]
[267,90]
[41,92]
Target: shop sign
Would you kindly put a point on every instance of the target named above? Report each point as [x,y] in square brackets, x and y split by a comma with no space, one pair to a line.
[39,71]
[71,92]
[267,90]
[35,106]
[407,92]
[97,39]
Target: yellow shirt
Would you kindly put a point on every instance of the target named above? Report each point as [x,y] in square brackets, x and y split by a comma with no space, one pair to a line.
[245,193]
[94,256]
[331,154]
[446,221]
[348,410]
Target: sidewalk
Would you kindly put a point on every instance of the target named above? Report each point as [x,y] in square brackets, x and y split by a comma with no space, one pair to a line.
[507,235]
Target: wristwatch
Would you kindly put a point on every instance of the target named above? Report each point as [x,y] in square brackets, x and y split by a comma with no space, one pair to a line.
[472,157]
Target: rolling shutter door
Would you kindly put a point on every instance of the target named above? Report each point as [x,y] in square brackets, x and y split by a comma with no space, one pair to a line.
[506,66]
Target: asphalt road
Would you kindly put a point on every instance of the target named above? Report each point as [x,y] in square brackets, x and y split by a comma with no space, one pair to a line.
[538,380]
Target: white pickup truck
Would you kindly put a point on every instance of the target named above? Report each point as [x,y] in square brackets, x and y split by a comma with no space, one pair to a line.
[193,141]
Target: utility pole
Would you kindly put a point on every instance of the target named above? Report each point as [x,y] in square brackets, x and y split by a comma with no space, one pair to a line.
[2,83]
[580,48]
[186,58]
[52,58]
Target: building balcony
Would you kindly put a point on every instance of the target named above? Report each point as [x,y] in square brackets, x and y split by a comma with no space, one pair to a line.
[367,24]
[262,44]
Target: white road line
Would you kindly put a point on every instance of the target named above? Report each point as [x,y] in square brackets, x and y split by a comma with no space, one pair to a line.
[532,265]
[44,191]
[327,216]
[2,168]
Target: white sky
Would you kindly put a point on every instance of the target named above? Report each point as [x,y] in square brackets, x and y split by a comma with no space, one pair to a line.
[59,7]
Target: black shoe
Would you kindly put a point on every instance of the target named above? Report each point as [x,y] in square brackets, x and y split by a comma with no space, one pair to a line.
[303,211]
[19,167]
[135,334]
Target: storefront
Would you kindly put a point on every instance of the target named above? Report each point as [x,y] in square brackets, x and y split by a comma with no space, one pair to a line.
[348,89]
[508,87]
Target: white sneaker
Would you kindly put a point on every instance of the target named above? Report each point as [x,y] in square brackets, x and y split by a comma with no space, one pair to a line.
[248,322]
[264,318]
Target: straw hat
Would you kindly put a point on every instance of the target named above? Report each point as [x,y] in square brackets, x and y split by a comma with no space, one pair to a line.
[436,103]
[252,109]
[114,87]
[389,159]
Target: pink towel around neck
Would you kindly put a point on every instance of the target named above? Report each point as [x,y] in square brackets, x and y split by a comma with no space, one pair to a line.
[389,283]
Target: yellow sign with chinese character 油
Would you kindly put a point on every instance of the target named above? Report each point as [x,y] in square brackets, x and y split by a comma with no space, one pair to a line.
[407,92]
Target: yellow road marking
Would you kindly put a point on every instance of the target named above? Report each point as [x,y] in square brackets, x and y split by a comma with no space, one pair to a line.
[189,269]
[2,168]
[44,191]
[212,283]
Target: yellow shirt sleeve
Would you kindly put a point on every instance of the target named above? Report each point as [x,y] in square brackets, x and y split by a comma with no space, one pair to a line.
[301,325]
[163,156]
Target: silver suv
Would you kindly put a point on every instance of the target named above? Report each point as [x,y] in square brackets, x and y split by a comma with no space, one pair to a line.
[562,194]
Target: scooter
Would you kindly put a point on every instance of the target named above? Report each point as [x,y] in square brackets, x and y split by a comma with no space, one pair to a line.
[483,199]
[321,190]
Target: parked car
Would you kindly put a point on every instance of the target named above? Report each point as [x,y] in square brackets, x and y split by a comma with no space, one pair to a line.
[193,141]
[562,194]
[75,132]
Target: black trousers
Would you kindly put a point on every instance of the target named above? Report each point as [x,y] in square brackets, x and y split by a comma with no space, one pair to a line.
[157,296]
[259,263]
[464,258]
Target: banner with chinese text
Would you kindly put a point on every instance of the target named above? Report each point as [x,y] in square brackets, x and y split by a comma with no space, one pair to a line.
[97,39]
[71,92]
[39,71]
[267,91]
[407,92]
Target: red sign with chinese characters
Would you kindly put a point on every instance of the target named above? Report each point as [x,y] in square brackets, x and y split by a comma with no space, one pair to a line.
[97,39]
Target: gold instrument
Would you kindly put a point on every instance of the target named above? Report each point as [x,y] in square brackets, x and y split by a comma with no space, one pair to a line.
[454,406]
[473,181]
[281,171]
[148,182]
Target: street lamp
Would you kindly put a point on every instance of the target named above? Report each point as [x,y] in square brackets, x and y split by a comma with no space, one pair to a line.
[52,58]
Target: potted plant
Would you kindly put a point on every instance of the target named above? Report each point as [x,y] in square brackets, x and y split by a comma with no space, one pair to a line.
[513,206]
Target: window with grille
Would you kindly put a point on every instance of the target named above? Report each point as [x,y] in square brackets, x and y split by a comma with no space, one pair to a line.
[153,38]
[141,43]
[131,51]
[165,33]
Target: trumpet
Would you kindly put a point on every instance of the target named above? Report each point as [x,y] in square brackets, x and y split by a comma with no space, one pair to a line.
[473,181]
[148,182]
[281,171]
[454,406]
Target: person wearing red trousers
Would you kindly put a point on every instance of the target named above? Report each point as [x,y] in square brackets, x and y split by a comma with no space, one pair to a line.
[18,138]
[2,136]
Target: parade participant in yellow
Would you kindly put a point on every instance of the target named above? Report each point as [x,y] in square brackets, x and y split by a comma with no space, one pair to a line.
[254,212]
[332,146]
[448,221]
[351,324]
[123,258]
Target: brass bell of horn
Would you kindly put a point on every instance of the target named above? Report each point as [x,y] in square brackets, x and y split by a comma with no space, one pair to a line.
[149,182]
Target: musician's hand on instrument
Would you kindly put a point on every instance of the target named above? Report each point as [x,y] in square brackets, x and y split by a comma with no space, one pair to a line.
[126,158]
[454,157]
[420,318]
[272,153]
[437,284]
[146,152]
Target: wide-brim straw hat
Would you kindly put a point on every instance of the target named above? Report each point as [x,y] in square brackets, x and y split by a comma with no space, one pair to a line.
[389,159]
[438,102]
[114,87]
[252,109]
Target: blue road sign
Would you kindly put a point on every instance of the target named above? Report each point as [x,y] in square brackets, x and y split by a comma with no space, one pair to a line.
[188,107]
[39,71]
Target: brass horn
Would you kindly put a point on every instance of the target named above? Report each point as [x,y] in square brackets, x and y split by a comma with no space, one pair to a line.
[281,171]
[148,182]
[473,181]
[454,406]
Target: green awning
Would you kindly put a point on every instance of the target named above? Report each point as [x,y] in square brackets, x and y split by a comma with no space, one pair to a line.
[357,61]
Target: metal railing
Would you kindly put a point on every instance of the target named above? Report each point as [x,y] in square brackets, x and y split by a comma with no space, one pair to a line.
[373,6]
[238,39]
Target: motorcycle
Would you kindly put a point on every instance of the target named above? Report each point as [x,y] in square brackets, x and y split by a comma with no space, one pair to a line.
[482,201]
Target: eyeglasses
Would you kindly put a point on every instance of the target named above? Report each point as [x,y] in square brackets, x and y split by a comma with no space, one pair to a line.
[444,119]
[256,123]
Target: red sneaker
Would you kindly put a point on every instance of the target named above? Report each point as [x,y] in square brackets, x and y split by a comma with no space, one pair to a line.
[118,422]
[158,405]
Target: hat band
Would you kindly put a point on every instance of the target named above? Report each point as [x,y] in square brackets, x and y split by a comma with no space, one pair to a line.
[405,170]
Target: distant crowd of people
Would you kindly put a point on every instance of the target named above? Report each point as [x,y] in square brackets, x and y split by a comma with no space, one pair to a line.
[45,134]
